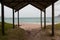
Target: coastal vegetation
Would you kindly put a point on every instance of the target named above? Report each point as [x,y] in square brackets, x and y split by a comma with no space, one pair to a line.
[58,16]
[56,29]
[57,26]
[19,34]
[10,33]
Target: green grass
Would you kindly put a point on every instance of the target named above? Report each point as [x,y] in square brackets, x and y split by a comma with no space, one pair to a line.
[10,33]
[18,33]
[56,29]
[7,26]
[56,26]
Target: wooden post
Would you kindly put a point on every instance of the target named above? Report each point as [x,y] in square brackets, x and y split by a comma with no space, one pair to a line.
[52,19]
[2,15]
[13,19]
[44,19]
[18,19]
[41,19]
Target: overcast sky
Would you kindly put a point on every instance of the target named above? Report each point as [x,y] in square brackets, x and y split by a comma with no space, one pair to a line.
[31,11]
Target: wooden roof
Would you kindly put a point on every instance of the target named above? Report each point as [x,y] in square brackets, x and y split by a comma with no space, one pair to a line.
[18,4]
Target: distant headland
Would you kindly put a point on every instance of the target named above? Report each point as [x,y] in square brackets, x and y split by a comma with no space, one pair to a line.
[58,16]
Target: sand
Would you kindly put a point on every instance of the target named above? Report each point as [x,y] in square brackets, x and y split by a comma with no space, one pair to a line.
[34,32]
[31,26]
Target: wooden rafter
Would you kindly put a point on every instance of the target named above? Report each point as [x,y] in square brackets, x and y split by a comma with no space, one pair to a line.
[42,4]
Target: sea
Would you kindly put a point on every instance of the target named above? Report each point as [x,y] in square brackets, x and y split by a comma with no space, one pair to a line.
[31,20]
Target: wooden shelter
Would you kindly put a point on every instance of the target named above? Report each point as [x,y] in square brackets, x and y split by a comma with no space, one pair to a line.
[18,4]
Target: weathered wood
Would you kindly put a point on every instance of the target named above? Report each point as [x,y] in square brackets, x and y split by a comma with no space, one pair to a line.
[19,7]
[22,3]
[18,18]
[52,19]
[19,3]
[13,19]
[36,6]
[2,15]
[41,4]
[45,19]
[41,19]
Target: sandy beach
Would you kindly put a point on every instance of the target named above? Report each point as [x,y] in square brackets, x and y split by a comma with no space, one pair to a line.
[31,26]
[33,31]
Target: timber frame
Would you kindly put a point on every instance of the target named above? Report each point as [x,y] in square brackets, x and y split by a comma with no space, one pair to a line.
[19,4]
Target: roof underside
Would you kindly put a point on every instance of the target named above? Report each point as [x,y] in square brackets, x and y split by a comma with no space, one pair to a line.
[18,4]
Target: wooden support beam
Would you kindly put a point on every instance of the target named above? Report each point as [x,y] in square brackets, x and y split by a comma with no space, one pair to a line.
[41,19]
[45,19]
[13,19]
[2,15]
[52,19]
[17,4]
[41,4]
[21,7]
[18,19]
[36,6]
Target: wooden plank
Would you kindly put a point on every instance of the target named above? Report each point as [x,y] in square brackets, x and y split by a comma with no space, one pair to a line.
[39,5]
[16,3]
[44,3]
[19,8]
[36,6]
[19,5]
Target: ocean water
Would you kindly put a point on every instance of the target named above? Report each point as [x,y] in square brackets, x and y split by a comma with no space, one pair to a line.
[31,20]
